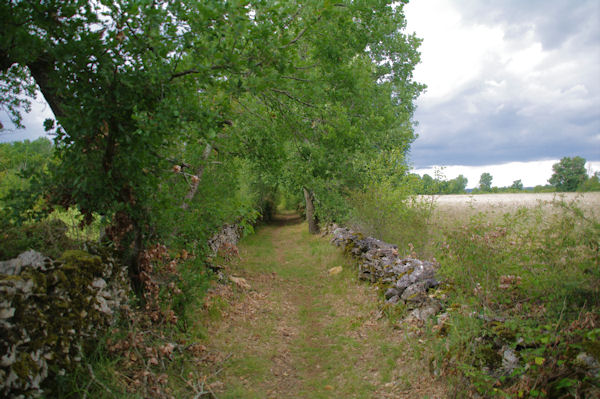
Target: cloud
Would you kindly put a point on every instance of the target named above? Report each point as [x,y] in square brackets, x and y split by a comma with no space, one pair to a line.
[508,81]
[33,121]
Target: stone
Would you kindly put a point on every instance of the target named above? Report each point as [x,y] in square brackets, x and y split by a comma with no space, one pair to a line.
[392,291]
[408,279]
[428,310]
[588,363]
[415,292]
[30,258]
[229,235]
[510,361]
[63,291]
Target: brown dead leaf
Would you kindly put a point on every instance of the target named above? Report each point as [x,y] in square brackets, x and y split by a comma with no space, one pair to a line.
[240,282]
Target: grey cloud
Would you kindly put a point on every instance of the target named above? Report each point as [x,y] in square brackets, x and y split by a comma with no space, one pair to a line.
[449,135]
[549,115]
[33,121]
[554,22]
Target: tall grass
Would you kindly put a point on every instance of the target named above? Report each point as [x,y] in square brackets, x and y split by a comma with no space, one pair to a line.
[394,215]
[524,282]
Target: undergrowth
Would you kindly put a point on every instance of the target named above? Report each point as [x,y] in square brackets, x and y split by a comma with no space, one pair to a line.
[524,305]
[153,350]
[522,293]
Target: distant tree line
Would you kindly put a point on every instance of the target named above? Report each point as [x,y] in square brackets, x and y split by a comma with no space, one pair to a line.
[569,175]
[427,185]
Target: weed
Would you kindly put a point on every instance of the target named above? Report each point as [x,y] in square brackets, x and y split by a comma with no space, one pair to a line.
[525,280]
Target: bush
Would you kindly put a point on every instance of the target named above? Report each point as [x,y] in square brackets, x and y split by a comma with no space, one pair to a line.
[529,283]
[394,215]
[48,237]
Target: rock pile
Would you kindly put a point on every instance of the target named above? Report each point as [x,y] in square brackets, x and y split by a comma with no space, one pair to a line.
[408,279]
[49,312]
[227,236]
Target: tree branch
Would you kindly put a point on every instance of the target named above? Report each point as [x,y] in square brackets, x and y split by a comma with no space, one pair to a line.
[295,78]
[299,36]
[192,71]
[288,95]
[196,182]
[40,70]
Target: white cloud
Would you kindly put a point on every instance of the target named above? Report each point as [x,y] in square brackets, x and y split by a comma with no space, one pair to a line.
[508,81]
[33,121]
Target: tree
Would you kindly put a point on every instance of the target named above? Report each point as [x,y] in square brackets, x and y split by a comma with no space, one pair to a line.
[140,89]
[591,184]
[352,99]
[485,182]
[568,174]
[517,185]
[457,185]
[132,84]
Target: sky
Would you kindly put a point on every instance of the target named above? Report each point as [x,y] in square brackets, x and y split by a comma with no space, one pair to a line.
[513,86]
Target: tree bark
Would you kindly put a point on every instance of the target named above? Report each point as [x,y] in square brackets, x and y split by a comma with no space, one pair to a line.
[40,71]
[311,218]
[199,172]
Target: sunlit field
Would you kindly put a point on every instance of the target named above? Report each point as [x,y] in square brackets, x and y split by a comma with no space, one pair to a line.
[453,207]
[523,275]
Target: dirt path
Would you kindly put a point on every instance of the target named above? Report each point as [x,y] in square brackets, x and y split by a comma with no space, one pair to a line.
[300,332]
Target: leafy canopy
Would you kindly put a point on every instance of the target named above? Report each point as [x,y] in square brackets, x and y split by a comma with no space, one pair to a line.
[568,174]
[289,95]
[485,182]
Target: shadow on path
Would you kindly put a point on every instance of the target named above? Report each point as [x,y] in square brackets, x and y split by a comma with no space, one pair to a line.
[286,219]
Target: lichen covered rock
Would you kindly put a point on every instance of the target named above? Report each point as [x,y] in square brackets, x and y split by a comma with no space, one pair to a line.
[49,312]
[408,279]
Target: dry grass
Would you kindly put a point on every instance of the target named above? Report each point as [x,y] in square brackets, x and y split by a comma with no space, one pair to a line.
[502,203]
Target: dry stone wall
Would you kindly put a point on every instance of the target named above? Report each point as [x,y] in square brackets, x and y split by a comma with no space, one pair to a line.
[227,236]
[408,280]
[50,311]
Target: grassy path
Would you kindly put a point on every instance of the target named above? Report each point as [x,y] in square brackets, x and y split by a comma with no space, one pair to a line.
[300,332]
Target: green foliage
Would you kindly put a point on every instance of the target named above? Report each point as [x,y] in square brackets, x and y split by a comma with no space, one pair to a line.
[388,208]
[48,237]
[391,214]
[517,185]
[313,93]
[590,184]
[527,278]
[485,182]
[544,189]
[23,167]
[568,174]
[430,186]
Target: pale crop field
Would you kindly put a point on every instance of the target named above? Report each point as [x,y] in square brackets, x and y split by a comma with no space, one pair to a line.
[461,207]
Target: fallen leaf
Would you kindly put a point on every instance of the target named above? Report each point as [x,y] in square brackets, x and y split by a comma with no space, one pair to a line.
[240,282]
[335,270]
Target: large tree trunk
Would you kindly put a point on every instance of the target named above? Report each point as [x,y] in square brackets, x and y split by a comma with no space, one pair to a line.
[311,218]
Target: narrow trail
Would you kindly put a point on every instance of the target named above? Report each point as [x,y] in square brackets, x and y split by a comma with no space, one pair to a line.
[299,332]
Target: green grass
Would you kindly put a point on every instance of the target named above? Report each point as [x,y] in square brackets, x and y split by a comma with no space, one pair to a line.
[334,348]
[553,251]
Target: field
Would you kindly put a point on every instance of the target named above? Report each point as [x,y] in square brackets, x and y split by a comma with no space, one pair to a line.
[499,202]
[522,274]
